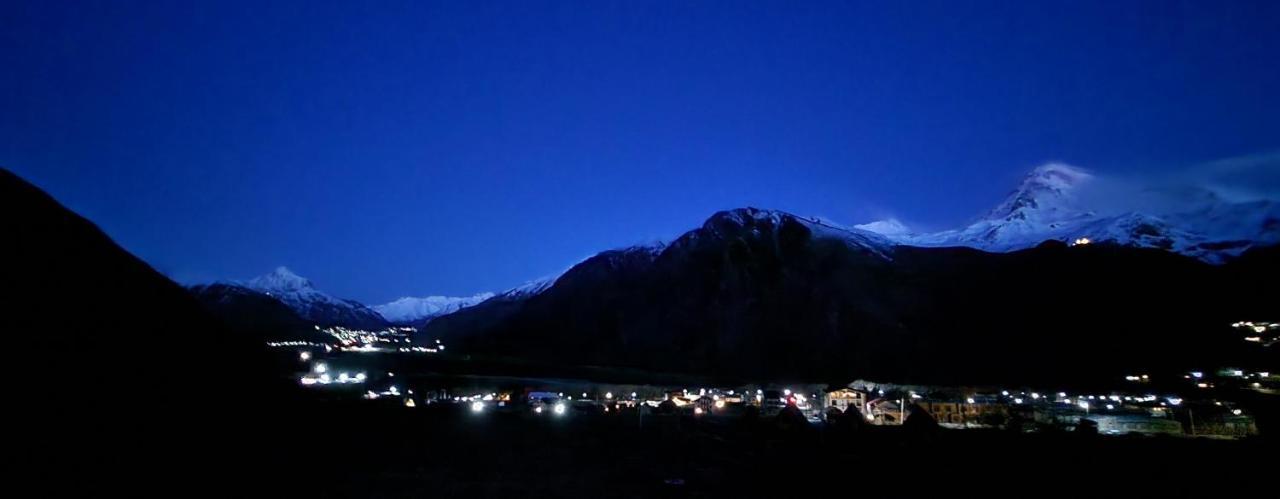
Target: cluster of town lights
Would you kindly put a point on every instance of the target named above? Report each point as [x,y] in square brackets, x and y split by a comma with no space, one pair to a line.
[1263,333]
[320,375]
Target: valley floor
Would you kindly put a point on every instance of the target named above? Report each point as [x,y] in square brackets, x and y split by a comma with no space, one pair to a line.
[445,451]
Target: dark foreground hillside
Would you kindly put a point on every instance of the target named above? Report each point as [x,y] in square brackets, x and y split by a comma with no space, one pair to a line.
[122,379]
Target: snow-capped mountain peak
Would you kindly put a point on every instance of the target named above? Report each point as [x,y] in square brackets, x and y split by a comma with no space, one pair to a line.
[280,280]
[1048,204]
[754,220]
[299,294]
[1047,194]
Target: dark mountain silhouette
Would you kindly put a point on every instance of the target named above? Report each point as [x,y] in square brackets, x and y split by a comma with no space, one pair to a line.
[125,380]
[255,314]
[766,295]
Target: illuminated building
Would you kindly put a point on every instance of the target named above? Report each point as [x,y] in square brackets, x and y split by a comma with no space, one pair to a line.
[846,397]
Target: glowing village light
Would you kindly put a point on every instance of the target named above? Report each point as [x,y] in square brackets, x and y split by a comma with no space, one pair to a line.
[558,408]
[697,410]
[538,409]
[304,355]
[320,367]
[477,406]
[608,395]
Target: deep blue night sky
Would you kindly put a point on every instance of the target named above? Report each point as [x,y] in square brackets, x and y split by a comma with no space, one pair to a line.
[411,149]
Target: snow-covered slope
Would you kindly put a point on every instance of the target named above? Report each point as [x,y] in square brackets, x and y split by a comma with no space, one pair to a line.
[312,304]
[1048,205]
[528,289]
[410,309]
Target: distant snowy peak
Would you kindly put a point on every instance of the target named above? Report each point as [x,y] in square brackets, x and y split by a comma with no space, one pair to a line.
[411,309]
[290,288]
[280,280]
[1046,200]
[1046,194]
[1047,205]
[299,294]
